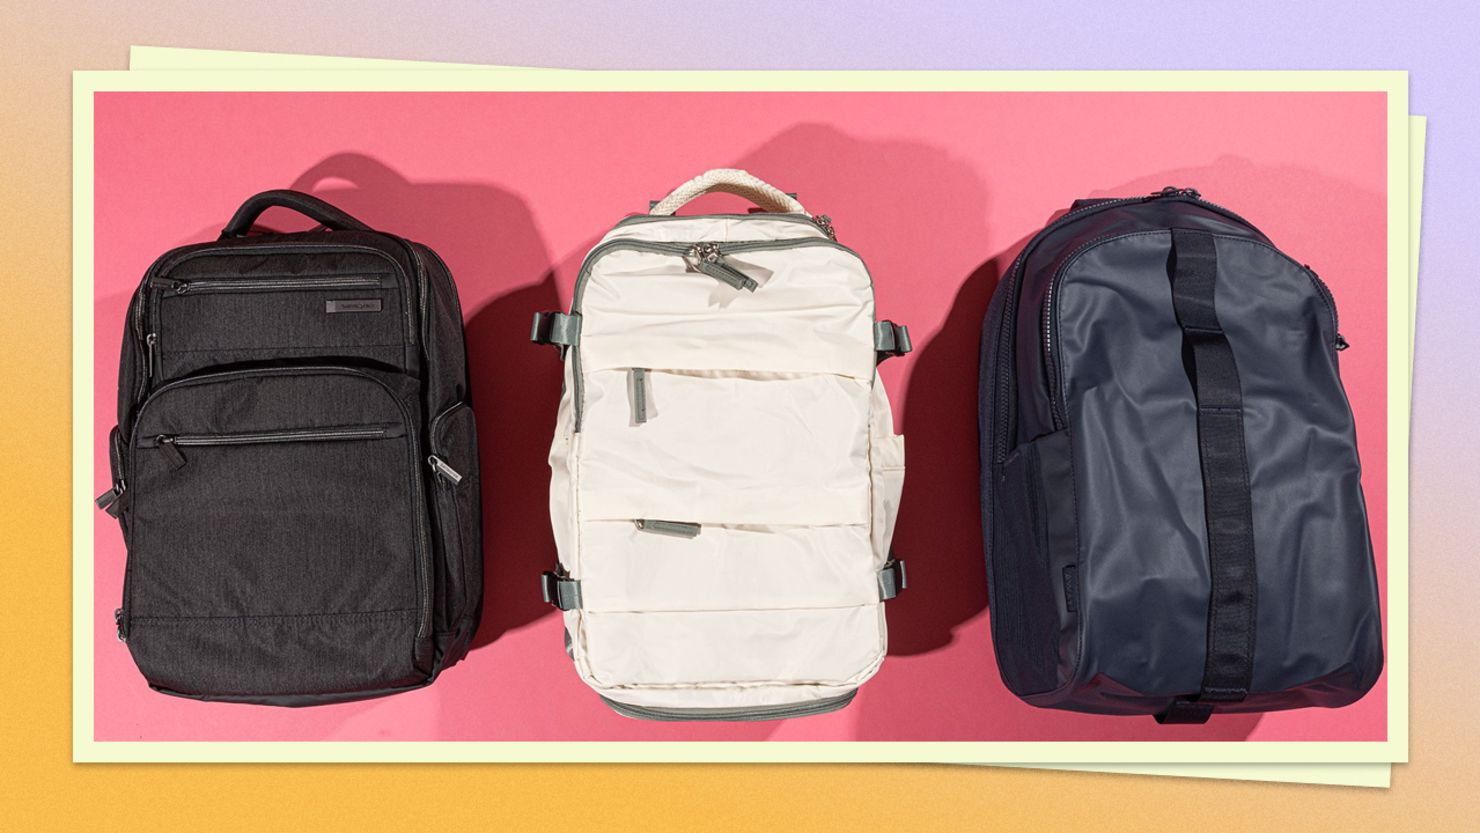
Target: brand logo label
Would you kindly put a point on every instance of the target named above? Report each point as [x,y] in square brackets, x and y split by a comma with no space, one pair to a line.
[355,305]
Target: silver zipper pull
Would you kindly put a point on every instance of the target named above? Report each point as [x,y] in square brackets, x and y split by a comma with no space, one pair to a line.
[707,258]
[149,341]
[443,470]
[825,223]
[171,451]
[681,529]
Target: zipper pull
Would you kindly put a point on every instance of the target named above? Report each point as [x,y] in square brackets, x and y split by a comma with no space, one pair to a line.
[149,341]
[443,470]
[1341,342]
[111,501]
[825,223]
[639,395]
[171,451]
[118,623]
[679,529]
[707,258]
[1173,191]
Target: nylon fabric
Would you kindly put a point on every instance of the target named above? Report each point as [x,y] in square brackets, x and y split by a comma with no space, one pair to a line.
[759,417]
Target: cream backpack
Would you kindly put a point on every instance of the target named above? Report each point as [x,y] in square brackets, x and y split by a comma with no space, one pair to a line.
[725,472]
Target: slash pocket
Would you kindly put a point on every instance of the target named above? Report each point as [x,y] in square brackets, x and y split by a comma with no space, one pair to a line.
[200,323]
[886,465]
[738,447]
[1033,542]
[278,536]
[454,462]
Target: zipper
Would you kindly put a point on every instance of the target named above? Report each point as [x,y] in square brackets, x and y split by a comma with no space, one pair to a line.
[1002,439]
[1325,293]
[285,284]
[679,529]
[679,249]
[145,308]
[172,443]
[820,221]
[419,512]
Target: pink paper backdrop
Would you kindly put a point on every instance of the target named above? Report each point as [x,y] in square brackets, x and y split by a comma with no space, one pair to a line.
[937,191]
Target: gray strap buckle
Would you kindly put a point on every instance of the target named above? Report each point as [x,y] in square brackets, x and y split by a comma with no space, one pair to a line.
[891,579]
[557,328]
[890,340]
[560,590]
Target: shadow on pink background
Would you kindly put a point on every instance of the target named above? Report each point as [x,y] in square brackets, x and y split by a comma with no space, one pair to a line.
[937,191]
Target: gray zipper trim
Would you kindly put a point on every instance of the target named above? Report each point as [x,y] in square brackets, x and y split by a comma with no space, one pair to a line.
[783,712]
[637,219]
[678,250]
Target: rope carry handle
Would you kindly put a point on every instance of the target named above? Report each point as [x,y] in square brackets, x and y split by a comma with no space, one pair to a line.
[730,181]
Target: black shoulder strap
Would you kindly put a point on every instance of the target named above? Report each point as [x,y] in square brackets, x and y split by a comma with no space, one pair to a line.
[1225,473]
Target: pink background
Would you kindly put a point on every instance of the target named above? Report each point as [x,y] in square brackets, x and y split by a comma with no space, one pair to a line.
[936,191]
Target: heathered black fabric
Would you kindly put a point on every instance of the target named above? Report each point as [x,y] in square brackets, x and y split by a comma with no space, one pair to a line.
[288,541]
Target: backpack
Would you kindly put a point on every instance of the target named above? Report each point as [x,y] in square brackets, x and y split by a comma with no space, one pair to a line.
[1170,486]
[295,465]
[725,472]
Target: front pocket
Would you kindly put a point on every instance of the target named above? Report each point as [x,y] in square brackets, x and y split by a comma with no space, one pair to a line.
[199,322]
[279,540]
[736,447]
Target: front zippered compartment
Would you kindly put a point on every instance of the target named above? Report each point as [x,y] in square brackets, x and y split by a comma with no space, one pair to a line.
[679,250]
[341,319]
[144,313]
[1004,405]
[1048,322]
[169,443]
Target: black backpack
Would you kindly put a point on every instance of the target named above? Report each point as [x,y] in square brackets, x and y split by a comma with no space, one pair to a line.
[295,465]
[1170,487]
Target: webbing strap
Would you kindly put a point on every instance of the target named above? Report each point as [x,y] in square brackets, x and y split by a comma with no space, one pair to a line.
[556,328]
[891,339]
[891,579]
[561,590]
[1227,501]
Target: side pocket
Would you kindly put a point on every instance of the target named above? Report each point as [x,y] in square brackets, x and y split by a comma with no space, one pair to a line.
[454,463]
[1033,554]
[886,467]
[120,478]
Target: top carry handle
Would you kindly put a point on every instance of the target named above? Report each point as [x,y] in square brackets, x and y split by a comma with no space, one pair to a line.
[730,181]
[305,204]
